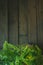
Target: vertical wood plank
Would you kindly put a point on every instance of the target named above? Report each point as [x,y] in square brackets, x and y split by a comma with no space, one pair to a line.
[40,24]
[13,21]
[3,22]
[23,21]
[32,21]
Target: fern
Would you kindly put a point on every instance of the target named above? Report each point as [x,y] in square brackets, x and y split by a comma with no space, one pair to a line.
[21,55]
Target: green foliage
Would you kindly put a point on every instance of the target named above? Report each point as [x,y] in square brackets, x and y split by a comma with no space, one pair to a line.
[22,55]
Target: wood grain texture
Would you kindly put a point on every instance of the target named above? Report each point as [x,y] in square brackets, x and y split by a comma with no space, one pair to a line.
[32,21]
[13,21]
[3,22]
[40,24]
[23,21]
[30,18]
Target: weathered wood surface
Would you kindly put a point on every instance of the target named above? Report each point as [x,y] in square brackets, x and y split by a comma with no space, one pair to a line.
[27,21]
[13,21]
[3,22]
[40,23]
[30,21]
[23,21]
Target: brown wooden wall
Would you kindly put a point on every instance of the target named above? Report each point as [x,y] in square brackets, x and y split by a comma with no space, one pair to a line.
[21,21]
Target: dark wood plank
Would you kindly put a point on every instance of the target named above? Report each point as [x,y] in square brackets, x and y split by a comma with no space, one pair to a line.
[32,21]
[3,22]
[40,24]
[23,21]
[13,21]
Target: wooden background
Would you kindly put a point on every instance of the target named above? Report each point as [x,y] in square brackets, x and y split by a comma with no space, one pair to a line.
[21,21]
